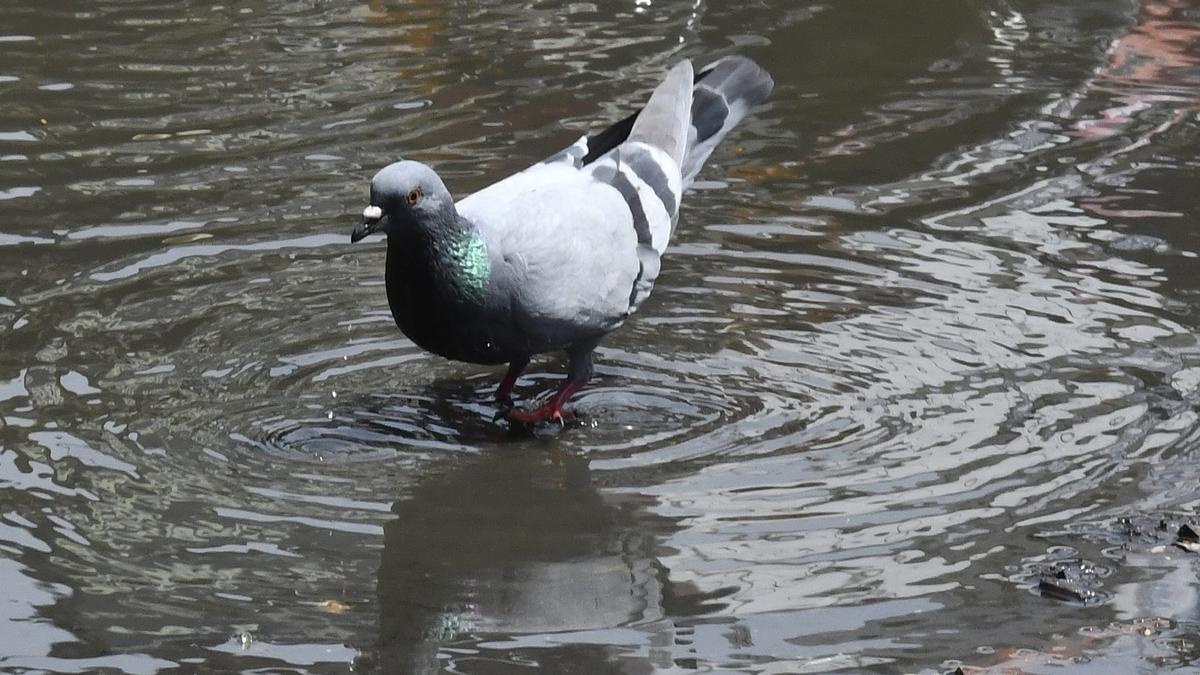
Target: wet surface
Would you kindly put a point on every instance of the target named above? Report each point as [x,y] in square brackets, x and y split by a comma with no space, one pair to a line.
[916,389]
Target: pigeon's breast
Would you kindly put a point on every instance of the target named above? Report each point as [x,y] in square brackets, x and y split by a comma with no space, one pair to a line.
[457,328]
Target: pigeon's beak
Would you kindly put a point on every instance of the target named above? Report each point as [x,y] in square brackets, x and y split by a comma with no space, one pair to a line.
[372,216]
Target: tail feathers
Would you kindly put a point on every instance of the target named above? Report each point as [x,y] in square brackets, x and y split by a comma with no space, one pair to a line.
[720,96]
[725,91]
[663,123]
[651,156]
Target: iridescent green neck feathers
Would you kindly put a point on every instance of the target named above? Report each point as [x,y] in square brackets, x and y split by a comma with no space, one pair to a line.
[469,261]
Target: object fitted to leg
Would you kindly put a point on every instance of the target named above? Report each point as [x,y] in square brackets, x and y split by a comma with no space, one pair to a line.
[579,371]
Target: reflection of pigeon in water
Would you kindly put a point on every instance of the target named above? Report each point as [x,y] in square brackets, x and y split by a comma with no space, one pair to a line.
[558,255]
[494,546]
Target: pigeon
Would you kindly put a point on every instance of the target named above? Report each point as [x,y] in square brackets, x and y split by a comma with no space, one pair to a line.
[556,256]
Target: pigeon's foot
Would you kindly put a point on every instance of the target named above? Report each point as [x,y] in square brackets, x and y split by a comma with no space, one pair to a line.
[551,412]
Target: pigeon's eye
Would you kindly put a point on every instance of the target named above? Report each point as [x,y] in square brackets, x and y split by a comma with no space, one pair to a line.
[413,197]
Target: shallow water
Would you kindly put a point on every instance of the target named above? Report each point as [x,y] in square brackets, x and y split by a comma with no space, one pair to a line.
[926,331]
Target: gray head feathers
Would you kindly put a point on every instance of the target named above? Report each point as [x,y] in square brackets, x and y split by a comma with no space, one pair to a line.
[410,192]
[406,195]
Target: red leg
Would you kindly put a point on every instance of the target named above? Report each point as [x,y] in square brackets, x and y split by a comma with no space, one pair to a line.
[579,371]
[504,391]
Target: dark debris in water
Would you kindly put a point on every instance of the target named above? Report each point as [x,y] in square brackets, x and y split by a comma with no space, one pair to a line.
[1187,539]
[1073,580]
[1144,533]
[1065,574]
[1061,574]
[1060,586]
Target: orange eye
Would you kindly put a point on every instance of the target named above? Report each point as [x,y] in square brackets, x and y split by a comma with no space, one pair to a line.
[413,196]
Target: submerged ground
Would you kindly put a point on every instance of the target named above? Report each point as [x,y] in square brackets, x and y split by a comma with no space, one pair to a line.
[917,387]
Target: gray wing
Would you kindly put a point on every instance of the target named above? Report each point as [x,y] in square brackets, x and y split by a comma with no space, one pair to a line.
[563,252]
[646,170]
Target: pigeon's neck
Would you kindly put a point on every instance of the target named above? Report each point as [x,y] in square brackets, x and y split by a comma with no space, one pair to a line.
[449,259]
[468,258]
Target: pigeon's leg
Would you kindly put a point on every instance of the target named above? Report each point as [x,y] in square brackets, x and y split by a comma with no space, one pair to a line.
[579,371]
[504,391]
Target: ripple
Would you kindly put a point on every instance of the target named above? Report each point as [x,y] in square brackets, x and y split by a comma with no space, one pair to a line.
[374,429]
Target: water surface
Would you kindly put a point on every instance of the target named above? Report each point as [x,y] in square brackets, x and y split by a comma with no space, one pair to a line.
[925,335]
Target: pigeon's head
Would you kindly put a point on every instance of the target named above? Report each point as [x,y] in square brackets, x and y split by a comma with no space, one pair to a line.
[405,195]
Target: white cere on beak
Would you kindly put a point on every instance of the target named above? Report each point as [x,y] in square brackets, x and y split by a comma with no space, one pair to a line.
[372,213]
